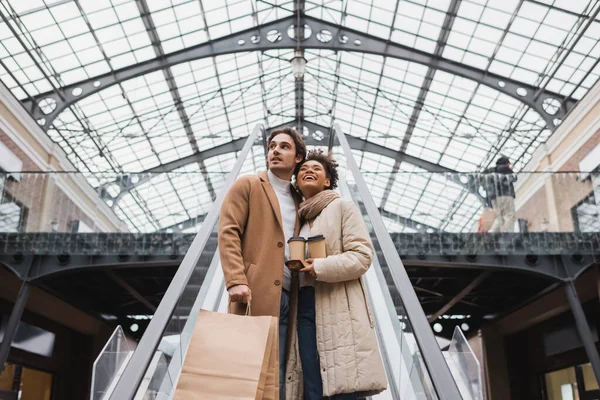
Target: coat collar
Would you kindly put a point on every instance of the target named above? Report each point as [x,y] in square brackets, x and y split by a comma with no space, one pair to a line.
[272,196]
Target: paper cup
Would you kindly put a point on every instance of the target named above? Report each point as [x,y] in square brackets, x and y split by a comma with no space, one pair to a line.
[297,248]
[316,246]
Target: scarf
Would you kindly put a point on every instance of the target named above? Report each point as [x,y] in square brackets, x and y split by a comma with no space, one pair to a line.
[312,207]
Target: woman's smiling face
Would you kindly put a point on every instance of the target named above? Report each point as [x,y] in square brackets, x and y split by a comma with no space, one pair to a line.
[312,178]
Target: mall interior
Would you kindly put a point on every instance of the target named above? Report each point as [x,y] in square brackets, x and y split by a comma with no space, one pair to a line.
[123,123]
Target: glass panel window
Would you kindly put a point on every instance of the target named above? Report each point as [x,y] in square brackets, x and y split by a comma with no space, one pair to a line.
[586,215]
[12,213]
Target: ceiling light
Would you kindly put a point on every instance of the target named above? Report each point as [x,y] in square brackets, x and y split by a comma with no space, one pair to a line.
[298,64]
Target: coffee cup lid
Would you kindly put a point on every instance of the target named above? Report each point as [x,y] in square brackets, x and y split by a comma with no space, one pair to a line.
[316,238]
[296,239]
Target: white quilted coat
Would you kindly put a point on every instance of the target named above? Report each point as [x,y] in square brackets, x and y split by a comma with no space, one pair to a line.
[346,341]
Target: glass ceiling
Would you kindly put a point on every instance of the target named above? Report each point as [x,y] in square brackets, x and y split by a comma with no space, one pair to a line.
[426,113]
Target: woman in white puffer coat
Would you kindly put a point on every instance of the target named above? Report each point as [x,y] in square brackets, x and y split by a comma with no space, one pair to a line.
[333,352]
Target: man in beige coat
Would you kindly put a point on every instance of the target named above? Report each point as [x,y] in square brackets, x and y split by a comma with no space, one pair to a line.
[258,216]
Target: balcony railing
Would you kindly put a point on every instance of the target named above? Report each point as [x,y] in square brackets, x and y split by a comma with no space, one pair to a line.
[426,213]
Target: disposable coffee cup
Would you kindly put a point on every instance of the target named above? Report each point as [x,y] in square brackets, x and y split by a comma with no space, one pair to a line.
[316,246]
[297,248]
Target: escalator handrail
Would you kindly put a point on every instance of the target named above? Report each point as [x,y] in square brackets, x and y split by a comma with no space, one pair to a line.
[134,372]
[440,374]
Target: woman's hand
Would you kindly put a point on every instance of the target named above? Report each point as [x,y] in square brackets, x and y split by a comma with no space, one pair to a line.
[310,269]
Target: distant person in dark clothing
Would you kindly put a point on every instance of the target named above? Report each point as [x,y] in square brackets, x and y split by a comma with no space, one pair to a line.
[502,196]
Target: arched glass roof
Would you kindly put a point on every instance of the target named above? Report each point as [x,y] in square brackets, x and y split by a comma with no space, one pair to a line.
[420,109]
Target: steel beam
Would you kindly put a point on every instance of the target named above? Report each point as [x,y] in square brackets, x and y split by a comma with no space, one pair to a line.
[44,254]
[134,293]
[437,294]
[126,182]
[418,226]
[423,91]
[468,289]
[146,16]
[494,262]
[299,7]
[181,226]
[407,222]
[343,39]
[359,144]
[583,328]
[13,322]
[130,181]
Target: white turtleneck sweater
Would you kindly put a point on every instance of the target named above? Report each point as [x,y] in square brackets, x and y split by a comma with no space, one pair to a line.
[288,218]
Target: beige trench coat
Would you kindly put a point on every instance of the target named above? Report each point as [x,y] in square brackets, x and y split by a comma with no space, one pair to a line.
[346,340]
[251,242]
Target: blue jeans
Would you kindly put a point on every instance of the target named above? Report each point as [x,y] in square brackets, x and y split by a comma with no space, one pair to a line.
[309,355]
[284,310]
[307,342]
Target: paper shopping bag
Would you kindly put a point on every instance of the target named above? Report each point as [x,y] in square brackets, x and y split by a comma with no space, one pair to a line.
[268,385]
[486,220]
[230,358]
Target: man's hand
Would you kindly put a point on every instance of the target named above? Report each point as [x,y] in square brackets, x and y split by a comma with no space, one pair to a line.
[310,269]
[239,293]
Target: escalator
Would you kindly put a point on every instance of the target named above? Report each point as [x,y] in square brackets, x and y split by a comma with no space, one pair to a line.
[415,366]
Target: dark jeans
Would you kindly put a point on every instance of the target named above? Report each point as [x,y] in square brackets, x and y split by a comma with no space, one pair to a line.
[284,310]
[309,355]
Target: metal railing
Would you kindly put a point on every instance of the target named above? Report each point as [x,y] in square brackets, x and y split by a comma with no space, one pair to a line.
[146,202]
[167,315]
[438,373]
[410,202]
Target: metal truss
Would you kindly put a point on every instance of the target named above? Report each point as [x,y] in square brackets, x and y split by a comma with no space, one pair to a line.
[182,226]
[273,36]
[561,259]
[317,136]
[423,91]
[407,222]
[174,91]
[126,183]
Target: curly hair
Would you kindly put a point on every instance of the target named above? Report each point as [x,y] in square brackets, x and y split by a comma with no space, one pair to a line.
[328,163]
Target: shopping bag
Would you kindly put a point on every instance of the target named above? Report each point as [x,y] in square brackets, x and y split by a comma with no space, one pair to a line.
[231,357]
[268,385]
[486,220]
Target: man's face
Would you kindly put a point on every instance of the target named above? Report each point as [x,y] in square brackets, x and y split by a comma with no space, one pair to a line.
[282,155]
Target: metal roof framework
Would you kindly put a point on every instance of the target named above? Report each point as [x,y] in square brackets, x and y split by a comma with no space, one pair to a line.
[132,86]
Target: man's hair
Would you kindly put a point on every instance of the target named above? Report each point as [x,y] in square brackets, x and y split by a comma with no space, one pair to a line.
[502,161]
[291,132]
[328,163]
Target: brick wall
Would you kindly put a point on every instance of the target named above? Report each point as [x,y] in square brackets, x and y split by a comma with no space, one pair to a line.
[568,191]
[28,164]
[535,210]
[43,200]
[573,163]
[571,190]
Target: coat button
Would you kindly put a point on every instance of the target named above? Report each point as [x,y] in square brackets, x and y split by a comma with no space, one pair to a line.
[279,244]
[277,282]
